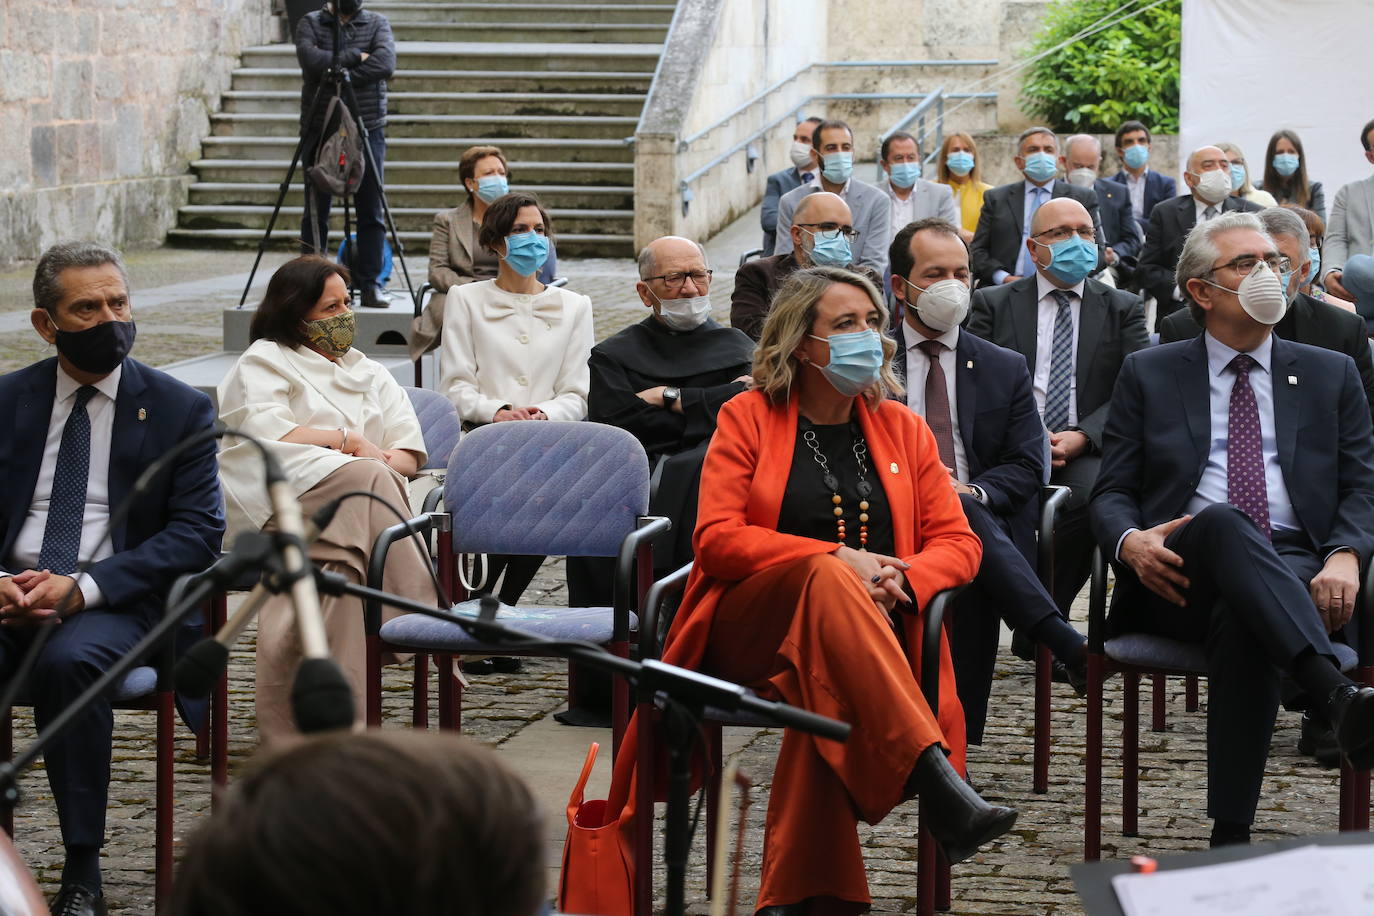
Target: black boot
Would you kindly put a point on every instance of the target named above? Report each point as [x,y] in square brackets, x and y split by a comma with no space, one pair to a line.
[958,817]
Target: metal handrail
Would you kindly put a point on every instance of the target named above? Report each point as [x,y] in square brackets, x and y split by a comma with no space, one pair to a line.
[936,100]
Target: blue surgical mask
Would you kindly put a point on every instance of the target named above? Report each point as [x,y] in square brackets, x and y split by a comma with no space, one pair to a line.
[1285,278]
[960,163]
[856,360]
[904,174]
[1316,256]
[1041,167]
[490,187]
[1285,163]
[1072,259]
[1136,156]
[837,167]
[526,252]
[829,251]
[1237,176]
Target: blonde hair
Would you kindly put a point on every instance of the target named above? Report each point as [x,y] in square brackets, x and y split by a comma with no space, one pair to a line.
[945,175]
[793,316]
[1230,149]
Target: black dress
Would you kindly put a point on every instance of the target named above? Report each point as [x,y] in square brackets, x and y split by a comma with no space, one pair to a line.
[807,503]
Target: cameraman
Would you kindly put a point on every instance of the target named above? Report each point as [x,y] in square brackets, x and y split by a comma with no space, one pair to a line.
[368,53]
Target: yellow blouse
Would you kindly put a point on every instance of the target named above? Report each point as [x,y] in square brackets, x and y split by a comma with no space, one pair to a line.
[970,197]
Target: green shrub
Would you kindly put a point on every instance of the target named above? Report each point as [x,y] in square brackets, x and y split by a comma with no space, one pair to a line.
[1128,70]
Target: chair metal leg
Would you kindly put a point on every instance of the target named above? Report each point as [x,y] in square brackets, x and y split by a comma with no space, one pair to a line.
[643,831]
[942,870]
[219,712]
[1092,776]
[373,650]
[419,691]
[925,867]
[1346,819]
[7,753]
[620,702]
[166,746]
[1159,702]
[715,756]
[1190,693]
[450,694]
[1130,753]
[1040,765]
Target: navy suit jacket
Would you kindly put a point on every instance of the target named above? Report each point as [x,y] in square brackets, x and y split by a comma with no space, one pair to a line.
[178,524]
[1004,441]
[1119,228]
[1157,188]
[997,242]
[1159,433]
[779,183]
[1170,223]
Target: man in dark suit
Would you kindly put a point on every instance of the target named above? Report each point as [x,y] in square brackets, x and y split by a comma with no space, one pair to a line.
[802,170]
[1236,498]
[1307,320]
[999,245]
[977,399]
[1145,186]
[1209,195]
[1120,233]
[82,427]
[1073,332]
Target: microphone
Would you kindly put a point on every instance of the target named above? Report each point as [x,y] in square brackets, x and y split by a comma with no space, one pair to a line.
[202,664]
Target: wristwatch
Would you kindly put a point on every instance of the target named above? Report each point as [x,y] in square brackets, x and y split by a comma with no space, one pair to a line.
[670,397]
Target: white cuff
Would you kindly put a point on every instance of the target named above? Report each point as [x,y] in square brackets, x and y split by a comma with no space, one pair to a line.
[90,592]
[1116,554]
[999,275]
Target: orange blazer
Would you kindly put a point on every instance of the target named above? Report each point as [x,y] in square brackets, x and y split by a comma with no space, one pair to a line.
[742,485]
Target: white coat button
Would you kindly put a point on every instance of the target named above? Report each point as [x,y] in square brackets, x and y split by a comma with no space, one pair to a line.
[524,338]
[522,381]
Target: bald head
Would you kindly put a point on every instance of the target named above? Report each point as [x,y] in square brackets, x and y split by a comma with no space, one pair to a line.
[822,207]
[667,268]
[1206,158]
[669,248]
[1061,211]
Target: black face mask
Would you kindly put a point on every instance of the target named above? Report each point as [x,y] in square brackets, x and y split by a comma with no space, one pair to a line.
[98,350]
[348,7]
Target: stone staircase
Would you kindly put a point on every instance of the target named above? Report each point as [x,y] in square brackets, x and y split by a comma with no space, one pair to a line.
[557,85]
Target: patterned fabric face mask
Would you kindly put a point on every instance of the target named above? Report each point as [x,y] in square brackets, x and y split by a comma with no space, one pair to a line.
[332,335]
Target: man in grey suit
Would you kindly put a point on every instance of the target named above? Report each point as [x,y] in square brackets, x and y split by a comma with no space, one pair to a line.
[910,197]
[999,247]
[1351,227]
[834,143]
[1074,333]
[805,165]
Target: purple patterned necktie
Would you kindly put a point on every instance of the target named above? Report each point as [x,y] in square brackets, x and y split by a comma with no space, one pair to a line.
[1245,484]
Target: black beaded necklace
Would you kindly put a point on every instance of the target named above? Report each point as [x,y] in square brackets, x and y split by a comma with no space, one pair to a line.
[832,483]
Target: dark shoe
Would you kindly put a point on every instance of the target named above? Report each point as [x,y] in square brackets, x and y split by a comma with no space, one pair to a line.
[77,900]
[374,298]
[958,817]
[1022,646]
[1076,676]
[1318,739]
[1225,833]
[787,909]
[505,664]
[1351,709]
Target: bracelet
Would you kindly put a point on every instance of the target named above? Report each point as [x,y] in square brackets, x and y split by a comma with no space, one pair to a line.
[343,441]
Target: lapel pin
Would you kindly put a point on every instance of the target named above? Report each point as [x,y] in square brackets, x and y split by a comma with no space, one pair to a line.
[142,414]
[892,467]
[968,365]
[1292,379]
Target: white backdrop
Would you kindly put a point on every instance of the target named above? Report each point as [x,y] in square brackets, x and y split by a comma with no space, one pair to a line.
[1251,67]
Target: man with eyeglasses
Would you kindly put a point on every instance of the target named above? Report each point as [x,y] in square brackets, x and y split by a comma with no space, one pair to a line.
[1074,333]
[834,143]
[805,165]
[1236,500]
[1208,177]
[821,234]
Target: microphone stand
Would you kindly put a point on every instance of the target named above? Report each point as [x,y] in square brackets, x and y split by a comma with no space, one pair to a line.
[689,694]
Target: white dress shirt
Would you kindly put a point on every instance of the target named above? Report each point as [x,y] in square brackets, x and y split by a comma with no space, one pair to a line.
[503,348]
[96,519]
[1211,488]
[902,212]
[1136,187]
[1046,311]
[917,367]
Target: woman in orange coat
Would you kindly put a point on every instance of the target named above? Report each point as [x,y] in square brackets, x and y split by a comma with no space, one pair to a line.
[824,509]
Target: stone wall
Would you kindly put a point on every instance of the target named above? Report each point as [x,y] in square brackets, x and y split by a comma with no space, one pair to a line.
[104,103]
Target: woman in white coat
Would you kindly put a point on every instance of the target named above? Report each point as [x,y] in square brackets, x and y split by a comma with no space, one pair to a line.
[514,349]
[337,422]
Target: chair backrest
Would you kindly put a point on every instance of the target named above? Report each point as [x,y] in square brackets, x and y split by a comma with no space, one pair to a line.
[439,424]
[546,488]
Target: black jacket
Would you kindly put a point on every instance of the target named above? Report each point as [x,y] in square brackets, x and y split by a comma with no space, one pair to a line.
[366,33]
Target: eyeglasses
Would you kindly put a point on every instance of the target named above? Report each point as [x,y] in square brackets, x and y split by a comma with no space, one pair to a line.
[1061,233]
[829,230]
[675,280]
[1248,262]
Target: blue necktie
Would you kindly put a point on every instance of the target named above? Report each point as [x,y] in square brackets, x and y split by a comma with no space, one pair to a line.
[1061,365]
[1025,265]
[67,507]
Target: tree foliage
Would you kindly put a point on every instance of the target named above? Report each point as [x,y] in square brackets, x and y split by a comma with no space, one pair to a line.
[1127,70]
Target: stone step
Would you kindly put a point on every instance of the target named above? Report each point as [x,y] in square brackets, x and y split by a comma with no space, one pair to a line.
[618,13]
[469,55]
[556,81]
[284,237]
[562,197]
[413,219]
[429,149]
[566,104]
[552,29]
[272,171]
[493,128]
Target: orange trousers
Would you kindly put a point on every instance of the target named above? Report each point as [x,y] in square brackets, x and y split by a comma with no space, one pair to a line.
[807,633]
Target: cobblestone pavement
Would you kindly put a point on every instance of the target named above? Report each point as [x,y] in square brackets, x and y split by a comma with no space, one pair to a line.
[177,297]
